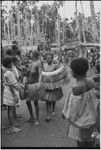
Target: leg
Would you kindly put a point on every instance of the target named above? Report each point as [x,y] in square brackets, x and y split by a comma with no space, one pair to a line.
[48,108]
[11,119]
[16,116]
[53,106]
[10,114]
[37,111]
[15,113]
[29,106]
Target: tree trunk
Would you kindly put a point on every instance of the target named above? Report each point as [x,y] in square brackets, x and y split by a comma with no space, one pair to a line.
[77,23]
[95,34]
[84,37]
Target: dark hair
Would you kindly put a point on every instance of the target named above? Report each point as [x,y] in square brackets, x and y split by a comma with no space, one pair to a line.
[14,48]
[97,66]
[35,54]
[14,59]
[79,67]
[15,42]
[7,61]
[9,52]
[18,52]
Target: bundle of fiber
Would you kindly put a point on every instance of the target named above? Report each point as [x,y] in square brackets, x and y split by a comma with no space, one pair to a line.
[55,79]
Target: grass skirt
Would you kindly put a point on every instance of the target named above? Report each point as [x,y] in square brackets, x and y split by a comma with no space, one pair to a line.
[53,95]
[36,92]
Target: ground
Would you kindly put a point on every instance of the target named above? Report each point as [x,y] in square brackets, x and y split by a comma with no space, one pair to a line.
[51,134]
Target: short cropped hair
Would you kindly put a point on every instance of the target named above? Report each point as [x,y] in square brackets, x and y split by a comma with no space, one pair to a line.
[35,54]
[79,67]
[7,61]
[9,52]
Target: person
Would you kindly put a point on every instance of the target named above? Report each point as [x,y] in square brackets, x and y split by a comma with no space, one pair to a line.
[2,85]
[14,47]
[51,95]
[81,106]
[32,84]
[11,94]
[18,64]
[16,73]
[96,79]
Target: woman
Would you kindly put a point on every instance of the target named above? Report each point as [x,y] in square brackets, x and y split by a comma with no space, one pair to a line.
[32,84]
[81,106]
[51,95]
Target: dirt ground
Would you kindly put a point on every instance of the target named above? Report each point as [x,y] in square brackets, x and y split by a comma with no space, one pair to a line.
[47,134]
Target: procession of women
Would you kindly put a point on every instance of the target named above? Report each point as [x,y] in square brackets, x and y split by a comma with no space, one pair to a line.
[45,62]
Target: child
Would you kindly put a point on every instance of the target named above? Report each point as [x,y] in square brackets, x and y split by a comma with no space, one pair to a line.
[11,93]
[80,107]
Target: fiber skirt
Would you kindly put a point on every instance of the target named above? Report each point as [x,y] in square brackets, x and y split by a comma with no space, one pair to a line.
[53,95]
[36,92]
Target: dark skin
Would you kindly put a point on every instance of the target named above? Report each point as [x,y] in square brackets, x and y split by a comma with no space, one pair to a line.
[29,106]
[50,106]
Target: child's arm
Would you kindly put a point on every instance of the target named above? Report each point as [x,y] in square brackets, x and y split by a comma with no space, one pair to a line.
[13,93]
[10,82]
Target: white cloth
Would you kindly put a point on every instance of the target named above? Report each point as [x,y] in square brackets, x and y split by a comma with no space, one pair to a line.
[10,79]
[81,111]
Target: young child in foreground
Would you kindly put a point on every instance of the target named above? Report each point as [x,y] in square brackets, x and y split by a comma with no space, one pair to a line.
[11,94]
[81,106]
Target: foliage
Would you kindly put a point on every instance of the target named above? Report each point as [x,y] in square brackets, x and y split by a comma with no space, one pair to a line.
[47,17]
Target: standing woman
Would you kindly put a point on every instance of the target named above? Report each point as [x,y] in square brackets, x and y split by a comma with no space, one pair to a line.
[31,86]
[51,95]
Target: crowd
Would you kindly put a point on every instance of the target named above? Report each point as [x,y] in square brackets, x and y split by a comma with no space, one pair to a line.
[21,79]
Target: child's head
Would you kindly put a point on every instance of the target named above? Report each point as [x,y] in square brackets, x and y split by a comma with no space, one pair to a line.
[9,52]
[79,67]
[7,62]
[35,55]
[97,67]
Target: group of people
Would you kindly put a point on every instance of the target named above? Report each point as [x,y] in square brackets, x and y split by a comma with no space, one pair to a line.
[82,105]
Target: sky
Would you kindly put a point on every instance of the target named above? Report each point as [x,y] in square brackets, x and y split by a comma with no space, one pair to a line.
[69,7]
